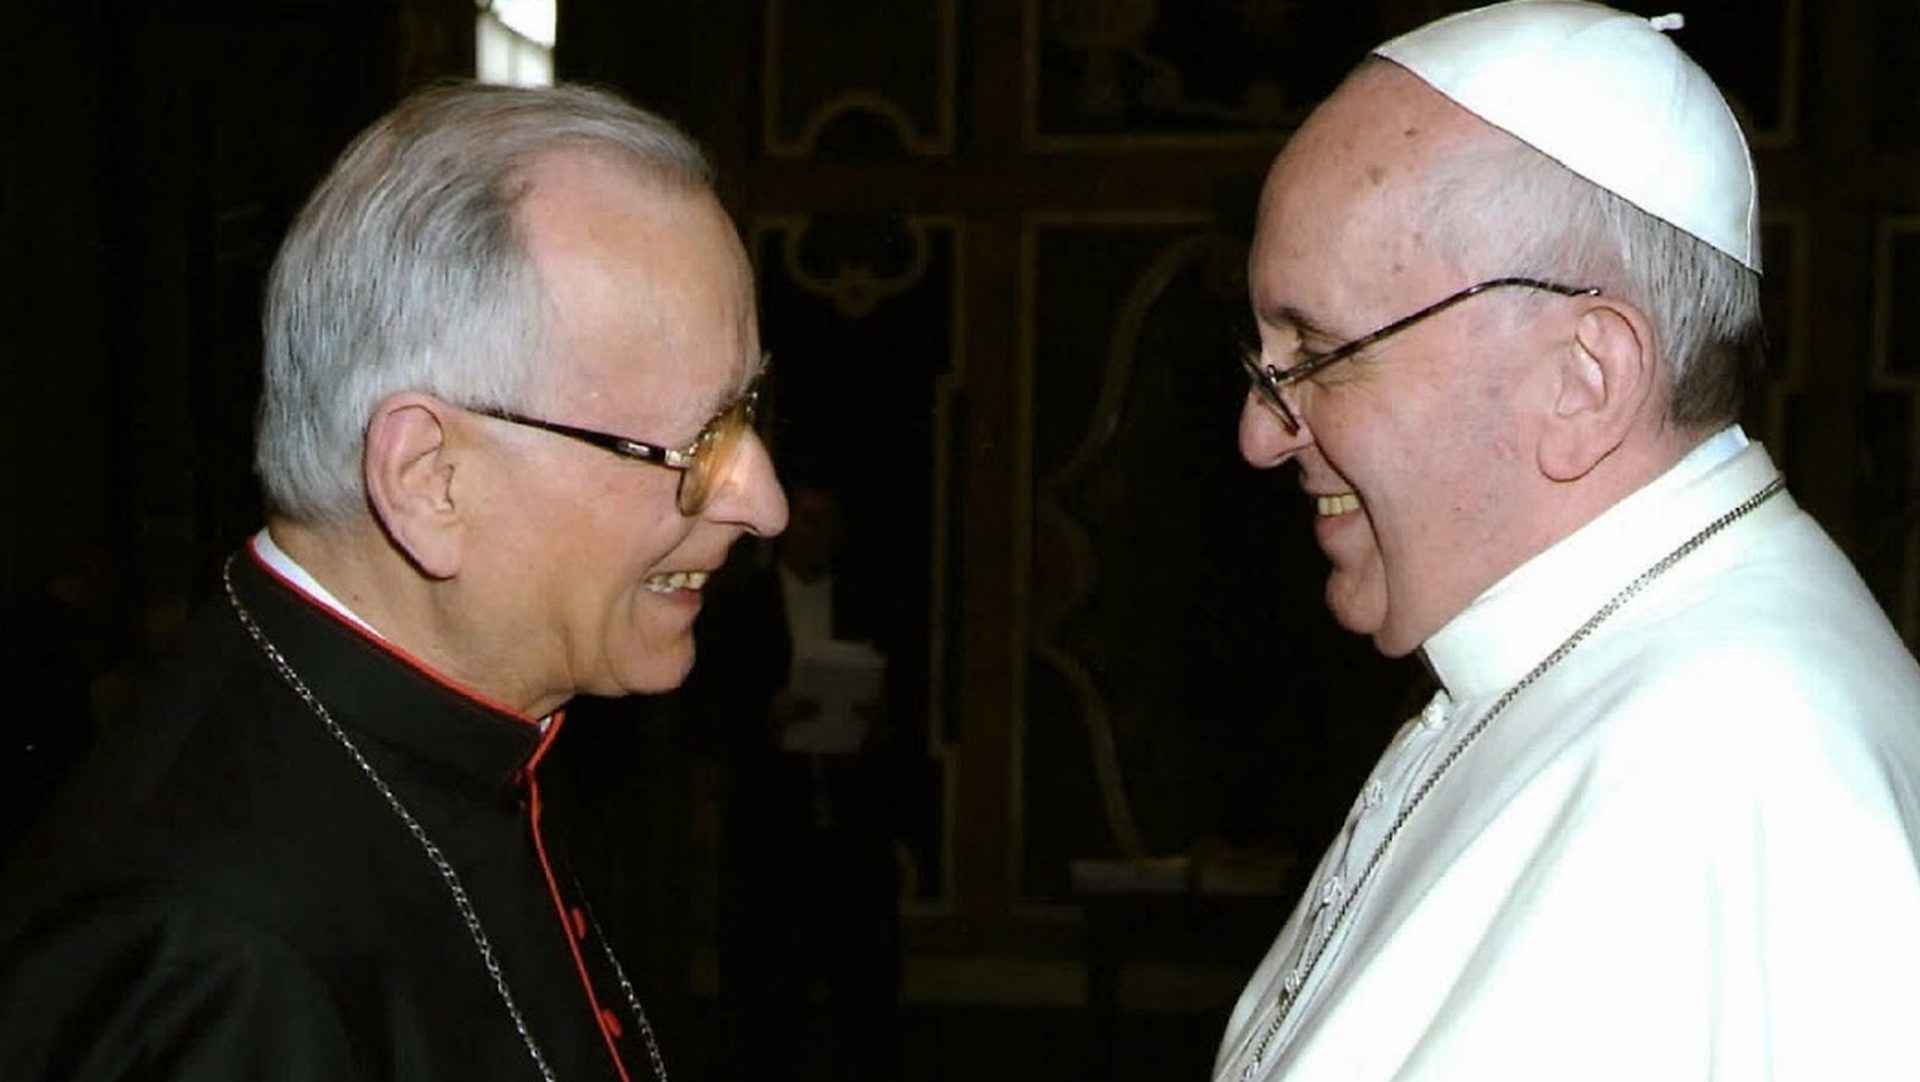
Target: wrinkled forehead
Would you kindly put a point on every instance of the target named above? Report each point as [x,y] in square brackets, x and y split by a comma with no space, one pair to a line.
[1355,183]
[594,227]
[636,271]
[585,214]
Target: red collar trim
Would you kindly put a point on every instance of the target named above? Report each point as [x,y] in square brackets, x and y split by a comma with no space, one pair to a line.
[401,655]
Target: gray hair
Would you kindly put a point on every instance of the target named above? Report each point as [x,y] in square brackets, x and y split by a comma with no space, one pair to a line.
[406,271]
[1517,211]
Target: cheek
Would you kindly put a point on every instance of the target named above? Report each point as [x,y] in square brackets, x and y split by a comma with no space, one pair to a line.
[631,527]
[1377,568]
[1357,593]
[653,648]
[602,573]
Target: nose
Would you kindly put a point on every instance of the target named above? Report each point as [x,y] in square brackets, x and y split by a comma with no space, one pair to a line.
[750,496]
[1265,441]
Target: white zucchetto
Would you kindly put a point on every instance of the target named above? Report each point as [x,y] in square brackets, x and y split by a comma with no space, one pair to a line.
[1609,96]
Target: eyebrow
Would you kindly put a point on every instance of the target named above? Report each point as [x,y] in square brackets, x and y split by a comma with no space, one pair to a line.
[728,396]
[1300,322]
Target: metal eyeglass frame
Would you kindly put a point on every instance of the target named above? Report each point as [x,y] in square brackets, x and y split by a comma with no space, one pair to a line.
[699,461]
[1270,381]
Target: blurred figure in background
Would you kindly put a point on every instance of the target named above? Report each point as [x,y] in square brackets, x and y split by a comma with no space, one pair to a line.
[790,695]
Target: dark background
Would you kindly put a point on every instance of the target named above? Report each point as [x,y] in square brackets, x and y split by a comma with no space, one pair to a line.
[1001,248]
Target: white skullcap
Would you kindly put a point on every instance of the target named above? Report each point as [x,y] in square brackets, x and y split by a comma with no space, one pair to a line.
[1605,94]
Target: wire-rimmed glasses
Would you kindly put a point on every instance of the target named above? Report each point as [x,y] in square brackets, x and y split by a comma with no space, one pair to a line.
[1270,381]
[701,463]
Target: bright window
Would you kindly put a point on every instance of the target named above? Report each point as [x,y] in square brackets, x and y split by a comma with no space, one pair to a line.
[514,42]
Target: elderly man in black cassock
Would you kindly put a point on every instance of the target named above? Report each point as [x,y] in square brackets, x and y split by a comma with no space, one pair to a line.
[506,434]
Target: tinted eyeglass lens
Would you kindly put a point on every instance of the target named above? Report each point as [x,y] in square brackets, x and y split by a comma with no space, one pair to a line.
[714,455]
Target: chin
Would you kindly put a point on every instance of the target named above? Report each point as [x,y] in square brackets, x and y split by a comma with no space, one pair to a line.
[664,671]
[1393,645]
[660,671]
[653,682]
[1355,608]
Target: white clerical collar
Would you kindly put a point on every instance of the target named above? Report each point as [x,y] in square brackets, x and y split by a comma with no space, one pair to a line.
[301,579]
[276,558]
[1516,621]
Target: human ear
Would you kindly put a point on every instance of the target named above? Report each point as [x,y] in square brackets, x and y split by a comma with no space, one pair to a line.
[1602,382]
[409,466]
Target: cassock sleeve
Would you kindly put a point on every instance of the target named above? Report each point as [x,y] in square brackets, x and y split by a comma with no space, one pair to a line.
[142,984]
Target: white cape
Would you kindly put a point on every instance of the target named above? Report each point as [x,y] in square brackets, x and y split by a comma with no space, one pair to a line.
[1687,852]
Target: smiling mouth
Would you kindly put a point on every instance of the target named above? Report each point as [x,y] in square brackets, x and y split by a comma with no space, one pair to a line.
[1337,504]
[678,580]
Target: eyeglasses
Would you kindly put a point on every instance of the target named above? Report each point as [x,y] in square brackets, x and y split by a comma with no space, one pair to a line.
[1270,381]
[701,463]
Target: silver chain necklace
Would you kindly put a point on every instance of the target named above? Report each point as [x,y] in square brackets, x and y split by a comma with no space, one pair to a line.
[1290,990]
[455,887]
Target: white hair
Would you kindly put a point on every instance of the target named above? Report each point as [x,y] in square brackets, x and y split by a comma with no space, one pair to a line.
[1508,209]
[406,271]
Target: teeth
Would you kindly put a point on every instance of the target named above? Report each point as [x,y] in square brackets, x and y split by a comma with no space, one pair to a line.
[1337,505]
[679,580]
